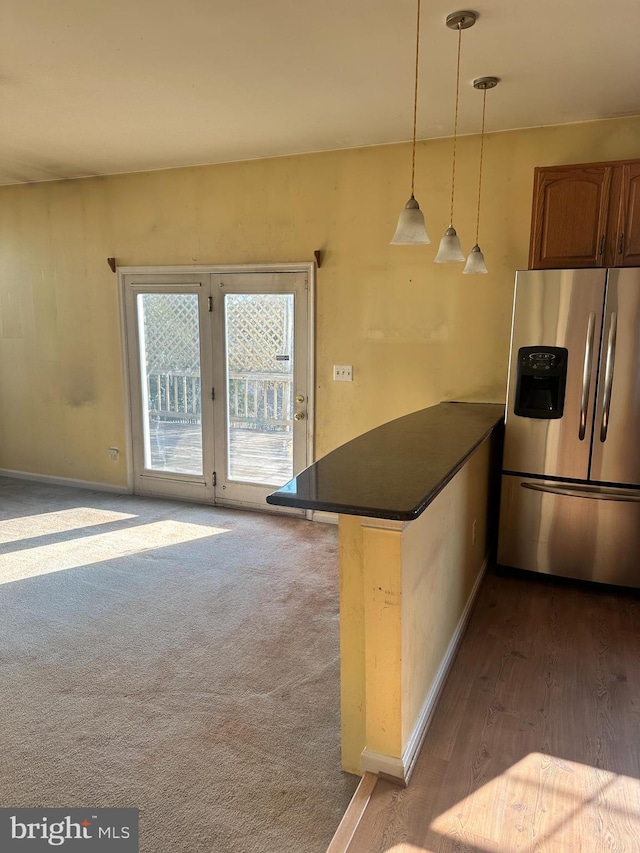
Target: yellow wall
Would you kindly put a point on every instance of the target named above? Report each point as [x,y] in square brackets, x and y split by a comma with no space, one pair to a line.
[405,590]
[441,564]
[408,326]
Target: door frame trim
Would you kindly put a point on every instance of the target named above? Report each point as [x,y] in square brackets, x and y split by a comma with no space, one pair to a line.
[307,267]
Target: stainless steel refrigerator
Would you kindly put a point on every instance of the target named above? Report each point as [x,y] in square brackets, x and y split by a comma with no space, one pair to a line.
[570,497]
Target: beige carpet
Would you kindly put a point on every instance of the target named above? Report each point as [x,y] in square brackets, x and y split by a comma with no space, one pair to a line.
[175,658]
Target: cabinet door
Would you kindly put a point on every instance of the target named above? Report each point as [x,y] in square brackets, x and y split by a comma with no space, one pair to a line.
[569,220]
[626,240]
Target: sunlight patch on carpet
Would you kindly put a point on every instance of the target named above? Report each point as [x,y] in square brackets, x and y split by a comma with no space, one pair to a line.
[62,521]
[100,548]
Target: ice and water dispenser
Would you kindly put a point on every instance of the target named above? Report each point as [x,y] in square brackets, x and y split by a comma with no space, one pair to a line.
[541,382]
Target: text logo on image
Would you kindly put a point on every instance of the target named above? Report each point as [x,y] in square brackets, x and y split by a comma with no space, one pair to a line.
[111,830]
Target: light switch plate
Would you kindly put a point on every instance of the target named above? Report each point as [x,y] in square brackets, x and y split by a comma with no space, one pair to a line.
[343,372]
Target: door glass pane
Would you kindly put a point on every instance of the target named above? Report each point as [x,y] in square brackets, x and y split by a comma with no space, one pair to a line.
[259,355]
[171,393]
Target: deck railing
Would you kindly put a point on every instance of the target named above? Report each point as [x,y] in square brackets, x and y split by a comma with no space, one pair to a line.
[258,401]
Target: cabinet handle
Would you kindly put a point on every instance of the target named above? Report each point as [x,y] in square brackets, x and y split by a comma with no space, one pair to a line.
[620,243]
[601,247]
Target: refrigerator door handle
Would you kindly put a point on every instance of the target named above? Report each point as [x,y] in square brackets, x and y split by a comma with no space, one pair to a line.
[586,375]
[592,492]
[608,376]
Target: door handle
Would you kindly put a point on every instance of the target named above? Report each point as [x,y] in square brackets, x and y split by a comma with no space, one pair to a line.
[586,375]
[608,376]
[593,492]
[299,416]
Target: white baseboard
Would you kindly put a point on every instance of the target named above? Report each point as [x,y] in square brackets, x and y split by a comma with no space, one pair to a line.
[402,768]
[384,765]
[64,481]
[324,517]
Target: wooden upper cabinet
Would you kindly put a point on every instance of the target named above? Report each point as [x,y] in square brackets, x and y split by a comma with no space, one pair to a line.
[587,215]
[569,220]
[625,239]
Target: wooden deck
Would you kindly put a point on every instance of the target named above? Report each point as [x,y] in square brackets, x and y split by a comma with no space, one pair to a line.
[255,457]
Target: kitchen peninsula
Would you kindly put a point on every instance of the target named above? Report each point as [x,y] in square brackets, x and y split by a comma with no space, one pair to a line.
[416,505]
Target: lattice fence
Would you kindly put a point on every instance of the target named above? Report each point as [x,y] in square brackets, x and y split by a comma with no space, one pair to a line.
[172,332]
[259,351]
[259,329]
[172,345]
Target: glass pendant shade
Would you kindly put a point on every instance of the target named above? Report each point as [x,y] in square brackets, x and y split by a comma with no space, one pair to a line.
[450,248]
[475,262]
[411,228]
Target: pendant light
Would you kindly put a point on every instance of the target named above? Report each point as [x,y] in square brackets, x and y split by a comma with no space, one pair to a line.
[411,228]
[475,262]
[450,248]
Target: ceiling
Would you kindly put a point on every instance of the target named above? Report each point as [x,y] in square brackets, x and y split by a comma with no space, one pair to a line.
[92,88]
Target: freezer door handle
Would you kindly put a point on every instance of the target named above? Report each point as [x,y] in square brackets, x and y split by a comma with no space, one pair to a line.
[593,492]
[608,376]
[586,375]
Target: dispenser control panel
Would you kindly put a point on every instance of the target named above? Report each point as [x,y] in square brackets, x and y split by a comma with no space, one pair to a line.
[541,382]
[542,360]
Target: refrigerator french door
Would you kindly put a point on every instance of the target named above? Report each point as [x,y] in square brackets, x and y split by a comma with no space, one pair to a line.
[570,502]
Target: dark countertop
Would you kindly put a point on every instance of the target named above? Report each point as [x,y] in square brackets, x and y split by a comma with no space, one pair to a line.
[395,470]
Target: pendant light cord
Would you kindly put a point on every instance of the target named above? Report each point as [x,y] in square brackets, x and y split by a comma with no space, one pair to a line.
[455,125]
[484,106]
[415,105]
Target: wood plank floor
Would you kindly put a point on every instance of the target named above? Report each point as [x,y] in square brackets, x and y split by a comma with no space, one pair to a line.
[535,744]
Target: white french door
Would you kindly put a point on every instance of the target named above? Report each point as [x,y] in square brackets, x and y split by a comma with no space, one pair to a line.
[219,370]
